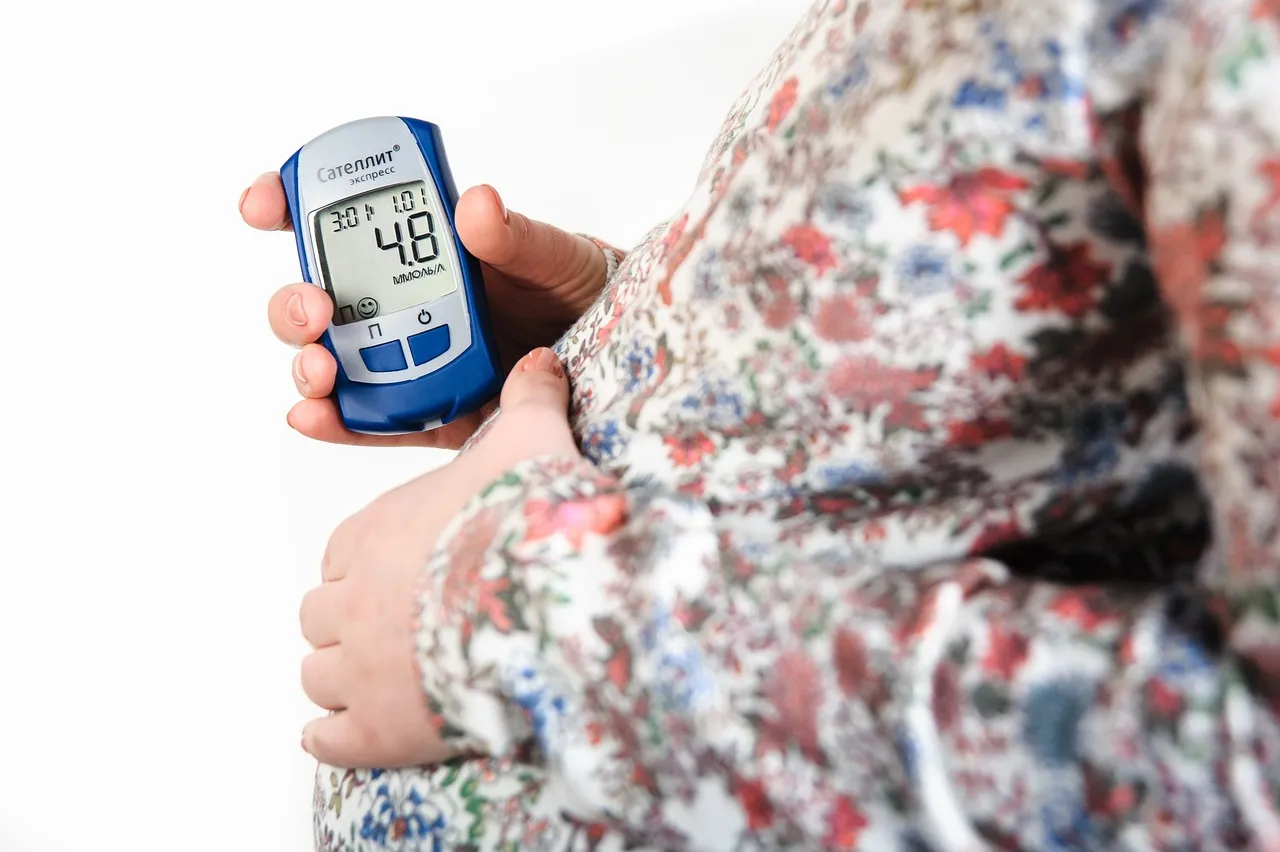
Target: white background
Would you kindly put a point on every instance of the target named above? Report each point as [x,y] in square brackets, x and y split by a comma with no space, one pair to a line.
[160,522]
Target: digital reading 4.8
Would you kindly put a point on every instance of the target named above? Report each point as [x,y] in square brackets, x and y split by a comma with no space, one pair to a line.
[384,251]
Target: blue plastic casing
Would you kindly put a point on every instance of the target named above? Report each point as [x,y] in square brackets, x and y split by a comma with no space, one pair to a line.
[460,387]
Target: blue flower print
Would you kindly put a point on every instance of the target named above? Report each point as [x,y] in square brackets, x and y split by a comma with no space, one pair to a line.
[1094,444]
[924,270]
[1051,726]
[850,475]
[843,205]
[683,679]
[401,817]
[546,707]
[638,366]
[716,404]
[975,94]
[603,441]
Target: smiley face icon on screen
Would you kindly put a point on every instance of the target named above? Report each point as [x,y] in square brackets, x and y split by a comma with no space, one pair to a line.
[367,307]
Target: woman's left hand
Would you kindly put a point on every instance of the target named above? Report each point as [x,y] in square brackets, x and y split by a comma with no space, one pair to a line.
[359,620]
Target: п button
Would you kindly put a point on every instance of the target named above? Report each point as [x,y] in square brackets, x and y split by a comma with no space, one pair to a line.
[384,358]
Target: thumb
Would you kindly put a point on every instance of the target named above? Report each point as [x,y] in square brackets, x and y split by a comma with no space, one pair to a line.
[529,251]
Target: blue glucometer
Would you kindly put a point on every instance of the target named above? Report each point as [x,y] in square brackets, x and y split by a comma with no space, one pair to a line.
[372,205]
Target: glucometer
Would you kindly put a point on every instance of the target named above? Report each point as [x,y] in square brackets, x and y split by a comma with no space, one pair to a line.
[372,205]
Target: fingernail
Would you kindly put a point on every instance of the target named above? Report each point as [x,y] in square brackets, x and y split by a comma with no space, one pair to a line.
[547,361]
[298,375]
[294,309]
[506,216]
[243,196]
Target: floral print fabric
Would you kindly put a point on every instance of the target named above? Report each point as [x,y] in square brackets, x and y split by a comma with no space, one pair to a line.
[931,485]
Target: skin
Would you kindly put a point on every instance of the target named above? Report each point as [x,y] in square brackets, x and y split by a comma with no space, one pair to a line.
[358,621]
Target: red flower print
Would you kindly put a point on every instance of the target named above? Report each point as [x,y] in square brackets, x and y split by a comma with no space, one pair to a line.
[783,100]
[970,434]
[1105,797]
[1006,652]
[874,531]
[811,246]
[489,606]
[794,689]
[574,519]
[817,120]
[1162,701]
[850,657]
[1270,172]
[673,235]
[865,383]
[972,203]
[691,615]
[780,311]
[754,800]
[915,621]
[1264,9]
[779,306]
[844,825]
[467,551]
[839,319]
[1183,255]
[995,533]
[732,317]
[1069,281]
[695,487]
[1082,608]
[905,415]
[677,249]
[606,331]
[688,450]
[1213,344]
[1076,169]
[947,697]
[618,668]
[468,547]
[999,361]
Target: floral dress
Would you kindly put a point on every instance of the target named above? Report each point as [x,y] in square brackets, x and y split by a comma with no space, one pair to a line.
[931,490]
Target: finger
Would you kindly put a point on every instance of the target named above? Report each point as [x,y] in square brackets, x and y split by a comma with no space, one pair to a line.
[324,678]
[314,370]
[533,419]
[537,379]
[342,739]
[299,313]
[320,615]
[524,248]
[263,205]
[319,420]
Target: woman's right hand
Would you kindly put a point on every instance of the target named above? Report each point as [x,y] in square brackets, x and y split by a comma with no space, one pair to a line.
[538,278]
